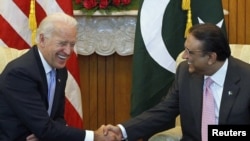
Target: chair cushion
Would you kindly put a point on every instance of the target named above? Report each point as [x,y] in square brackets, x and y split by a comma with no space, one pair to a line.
[241,51]
[8,54]
[173,134]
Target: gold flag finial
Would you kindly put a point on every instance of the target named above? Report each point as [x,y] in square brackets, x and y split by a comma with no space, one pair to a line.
[32,21]
[186,6]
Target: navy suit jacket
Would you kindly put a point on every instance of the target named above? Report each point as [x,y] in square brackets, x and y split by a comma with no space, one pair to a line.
[185,98]
[23,102]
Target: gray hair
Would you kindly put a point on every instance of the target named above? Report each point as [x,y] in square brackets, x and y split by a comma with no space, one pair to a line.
[48,24]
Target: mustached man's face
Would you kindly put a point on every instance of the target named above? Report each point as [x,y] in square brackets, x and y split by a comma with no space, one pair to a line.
[196,58]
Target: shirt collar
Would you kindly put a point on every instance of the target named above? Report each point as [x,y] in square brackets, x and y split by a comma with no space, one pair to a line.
[219,76]
[46,66]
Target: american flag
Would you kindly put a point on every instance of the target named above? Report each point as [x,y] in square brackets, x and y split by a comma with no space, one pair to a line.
[15,33]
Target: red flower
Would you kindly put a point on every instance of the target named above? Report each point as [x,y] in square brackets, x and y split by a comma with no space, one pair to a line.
[103,4]
[116,2]
[78,1]
[89,4]
[125,2]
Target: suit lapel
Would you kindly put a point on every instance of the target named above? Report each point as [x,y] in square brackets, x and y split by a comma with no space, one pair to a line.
[57,94]
[196,90]
[230,92]
[44,92]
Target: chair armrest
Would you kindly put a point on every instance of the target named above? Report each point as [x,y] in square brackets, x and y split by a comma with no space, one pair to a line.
[174,134]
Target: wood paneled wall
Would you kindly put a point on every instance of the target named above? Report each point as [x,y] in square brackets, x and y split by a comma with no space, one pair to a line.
[238,20]
[105,87]
[106,81]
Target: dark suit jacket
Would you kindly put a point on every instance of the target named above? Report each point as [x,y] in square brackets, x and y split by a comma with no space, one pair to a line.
[23,102]
[185,98]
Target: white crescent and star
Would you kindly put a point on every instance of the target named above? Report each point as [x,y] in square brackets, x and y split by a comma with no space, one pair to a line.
[151,28]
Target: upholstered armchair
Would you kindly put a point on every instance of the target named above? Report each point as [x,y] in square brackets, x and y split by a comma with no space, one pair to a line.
[240,51]
[7,54]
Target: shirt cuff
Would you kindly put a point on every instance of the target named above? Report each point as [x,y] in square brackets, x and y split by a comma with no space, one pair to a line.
[124,133]
[89,135]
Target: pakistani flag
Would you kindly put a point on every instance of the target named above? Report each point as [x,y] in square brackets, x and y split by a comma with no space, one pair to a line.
[159,38]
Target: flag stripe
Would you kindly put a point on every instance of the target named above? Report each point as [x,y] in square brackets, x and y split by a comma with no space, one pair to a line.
[14,36]
[22,5]
[65,6]
[50,6]
[20,17]
[72,64]
[72,87]
[40,13]
[74,117]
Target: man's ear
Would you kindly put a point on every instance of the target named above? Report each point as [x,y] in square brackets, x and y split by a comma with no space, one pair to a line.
[212,58]
[41,40]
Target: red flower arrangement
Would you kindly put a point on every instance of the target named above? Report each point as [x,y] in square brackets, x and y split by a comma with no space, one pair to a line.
[104,6]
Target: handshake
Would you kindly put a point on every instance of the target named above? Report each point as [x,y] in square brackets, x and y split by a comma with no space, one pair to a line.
[104,133]
[108,133]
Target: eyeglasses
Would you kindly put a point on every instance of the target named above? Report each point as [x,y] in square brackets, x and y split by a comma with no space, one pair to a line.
[189,52]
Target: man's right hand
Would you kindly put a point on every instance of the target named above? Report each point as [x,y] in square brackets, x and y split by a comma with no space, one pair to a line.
[114,131]
[106,133]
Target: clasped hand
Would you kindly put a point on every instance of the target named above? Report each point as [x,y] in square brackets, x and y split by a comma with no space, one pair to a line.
[108,133]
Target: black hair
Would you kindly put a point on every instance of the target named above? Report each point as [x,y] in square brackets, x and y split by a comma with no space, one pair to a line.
[213,39]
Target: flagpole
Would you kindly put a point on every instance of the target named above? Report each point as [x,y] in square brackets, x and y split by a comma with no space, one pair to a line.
[186,6]
[32,21]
